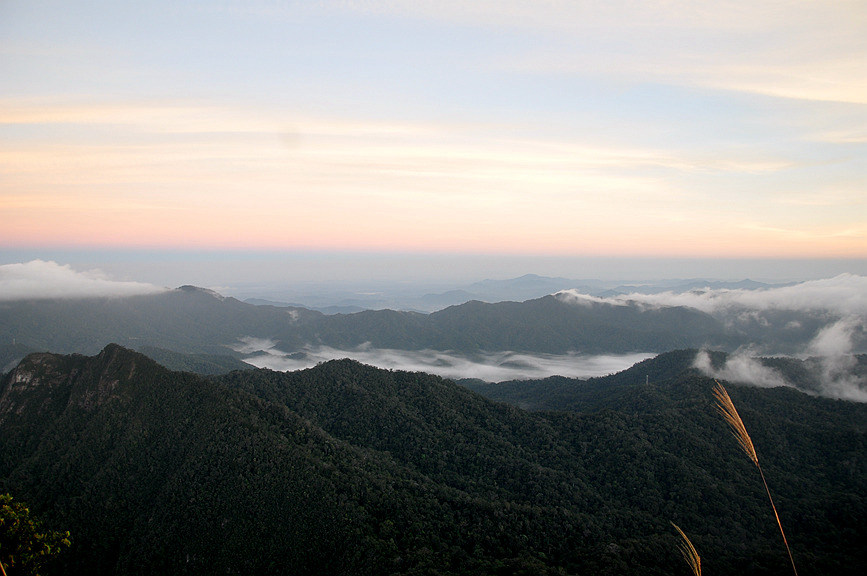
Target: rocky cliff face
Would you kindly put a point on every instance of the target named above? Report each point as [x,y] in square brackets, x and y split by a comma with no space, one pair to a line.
[47,384]
[34,386]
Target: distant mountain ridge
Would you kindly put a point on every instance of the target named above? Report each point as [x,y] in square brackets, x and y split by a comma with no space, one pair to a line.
[199,321]
[191,320]
[333,300]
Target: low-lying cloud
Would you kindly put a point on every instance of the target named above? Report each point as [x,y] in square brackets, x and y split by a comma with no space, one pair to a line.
[832,376]
[740,368]
[39,279]
[491,367]
[845,295]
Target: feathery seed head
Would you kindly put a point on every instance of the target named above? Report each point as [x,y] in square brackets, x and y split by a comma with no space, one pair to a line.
[689,552]
[730,413]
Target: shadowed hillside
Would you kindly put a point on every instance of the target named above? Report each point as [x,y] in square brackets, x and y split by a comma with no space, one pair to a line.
[193,320]
[348,469]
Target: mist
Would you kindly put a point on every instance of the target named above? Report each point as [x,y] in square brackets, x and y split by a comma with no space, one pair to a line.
[832,368]
[740,368]
[39,279]
[491,367]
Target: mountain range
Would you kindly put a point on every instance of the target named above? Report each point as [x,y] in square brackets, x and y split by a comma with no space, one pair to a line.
[329,299]
[348,469]
[191,320]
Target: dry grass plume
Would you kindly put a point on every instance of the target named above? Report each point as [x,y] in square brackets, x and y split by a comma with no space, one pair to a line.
[730,413]
[689,552]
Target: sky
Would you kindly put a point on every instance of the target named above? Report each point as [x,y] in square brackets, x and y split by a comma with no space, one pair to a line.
[540,131]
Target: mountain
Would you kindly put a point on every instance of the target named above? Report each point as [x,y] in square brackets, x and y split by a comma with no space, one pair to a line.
[11,353]
[532,286]
[547,325]
[330,298]
[348,469]
[192,320]
[527,287]
[187,319]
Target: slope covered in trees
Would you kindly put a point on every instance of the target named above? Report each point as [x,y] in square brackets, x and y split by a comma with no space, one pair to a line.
[348,469]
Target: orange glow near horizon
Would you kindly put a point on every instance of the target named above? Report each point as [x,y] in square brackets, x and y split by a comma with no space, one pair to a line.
[169,182]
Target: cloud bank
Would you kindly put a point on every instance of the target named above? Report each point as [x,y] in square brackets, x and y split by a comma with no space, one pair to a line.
[491,367]
[845,294]
[39,279]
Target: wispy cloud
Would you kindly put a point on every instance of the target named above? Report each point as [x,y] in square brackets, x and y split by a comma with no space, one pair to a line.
[166,162]
[788,49]
[545,127]
[39,279]
[170,173]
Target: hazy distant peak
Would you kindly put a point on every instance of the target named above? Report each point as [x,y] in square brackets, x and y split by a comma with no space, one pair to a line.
[208,291]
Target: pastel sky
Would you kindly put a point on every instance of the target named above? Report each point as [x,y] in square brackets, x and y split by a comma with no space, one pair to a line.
[676,129]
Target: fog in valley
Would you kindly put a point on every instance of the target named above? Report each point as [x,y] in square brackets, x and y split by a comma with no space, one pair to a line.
[492,367]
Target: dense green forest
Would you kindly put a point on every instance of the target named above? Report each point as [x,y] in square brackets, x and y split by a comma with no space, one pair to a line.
[349,469]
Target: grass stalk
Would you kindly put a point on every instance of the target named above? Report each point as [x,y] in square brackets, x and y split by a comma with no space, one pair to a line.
[730,413]
[690,555]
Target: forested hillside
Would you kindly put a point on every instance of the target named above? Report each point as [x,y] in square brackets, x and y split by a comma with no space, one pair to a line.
[348,469]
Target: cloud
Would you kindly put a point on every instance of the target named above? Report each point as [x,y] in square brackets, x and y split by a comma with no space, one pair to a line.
[740,368]
[832,375]
[576,297]
[845,294]
[834,339]
[832,348]
[795,49]
[39,279]
[492,367]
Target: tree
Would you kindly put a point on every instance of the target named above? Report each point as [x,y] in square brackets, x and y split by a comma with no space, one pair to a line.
[25,547]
